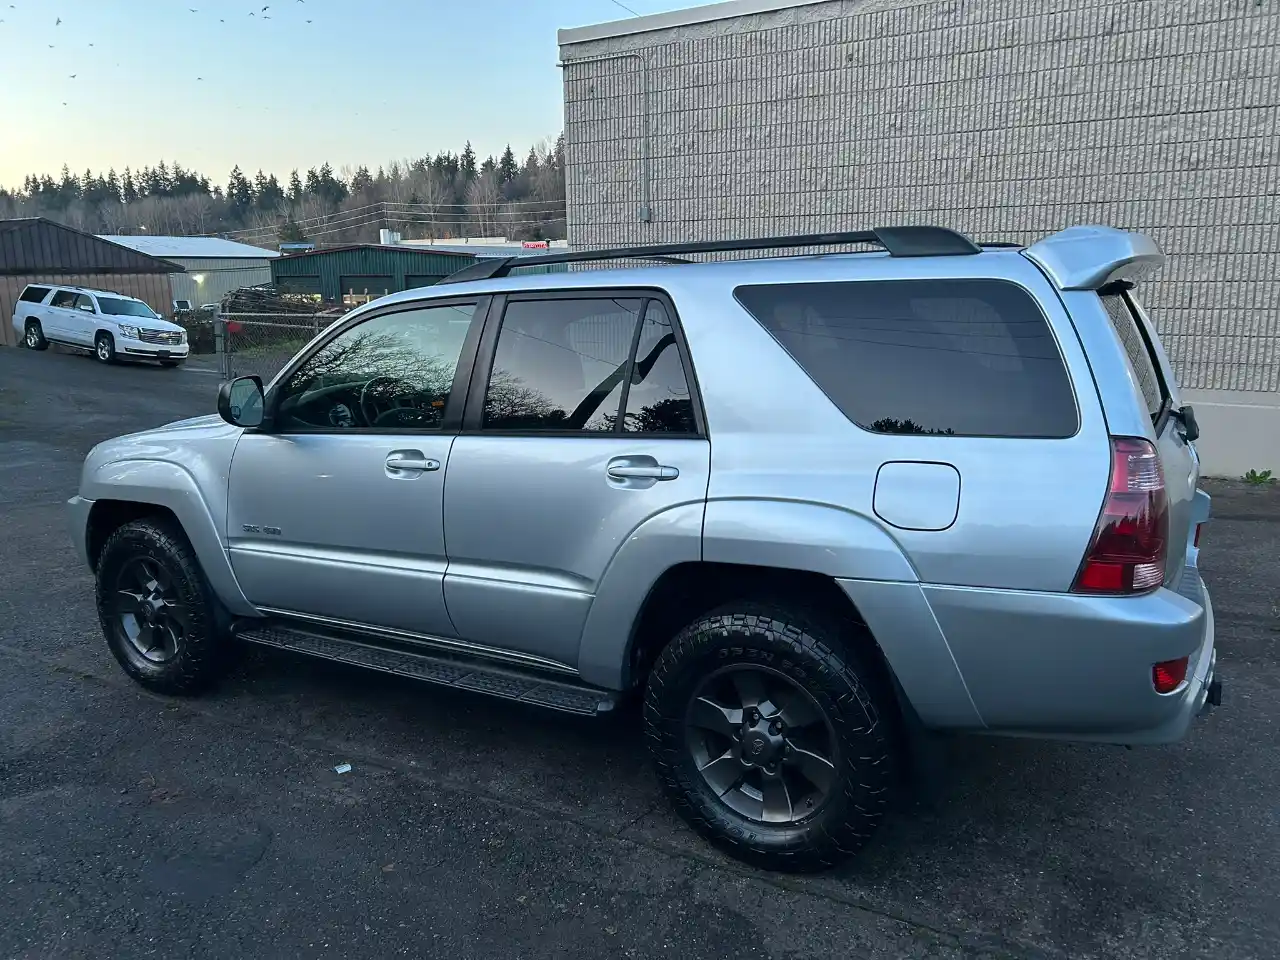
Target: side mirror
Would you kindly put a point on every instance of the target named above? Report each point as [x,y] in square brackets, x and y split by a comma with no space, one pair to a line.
[240,402]
[1190,428]
[87,307]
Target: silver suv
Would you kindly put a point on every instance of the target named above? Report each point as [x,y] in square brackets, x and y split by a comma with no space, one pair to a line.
[814,508]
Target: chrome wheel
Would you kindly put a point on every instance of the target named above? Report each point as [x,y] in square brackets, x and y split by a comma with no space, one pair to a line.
[147,611]
[33,337]
[762,744]
[103,349]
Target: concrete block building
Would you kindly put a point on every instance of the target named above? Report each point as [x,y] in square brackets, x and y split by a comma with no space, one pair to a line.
[1006,119]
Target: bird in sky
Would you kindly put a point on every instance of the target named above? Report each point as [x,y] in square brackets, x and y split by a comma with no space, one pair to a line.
[74,75]
[57,22]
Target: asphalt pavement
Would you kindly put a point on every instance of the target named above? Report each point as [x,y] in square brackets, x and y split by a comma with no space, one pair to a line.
[134,826]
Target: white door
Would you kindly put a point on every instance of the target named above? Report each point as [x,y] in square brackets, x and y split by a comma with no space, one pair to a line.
[82,320]
[56,317]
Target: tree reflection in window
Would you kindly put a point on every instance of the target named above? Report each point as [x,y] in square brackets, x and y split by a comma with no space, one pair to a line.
[659,400]
[395,370]
[559,364]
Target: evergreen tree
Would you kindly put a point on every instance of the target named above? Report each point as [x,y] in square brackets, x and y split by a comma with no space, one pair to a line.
[467,162]
[507,168]
[239,191]
[295,186]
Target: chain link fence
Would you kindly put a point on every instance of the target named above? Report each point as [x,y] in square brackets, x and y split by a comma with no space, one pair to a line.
[262,343]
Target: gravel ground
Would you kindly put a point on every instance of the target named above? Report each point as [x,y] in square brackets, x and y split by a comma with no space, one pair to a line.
[217,827]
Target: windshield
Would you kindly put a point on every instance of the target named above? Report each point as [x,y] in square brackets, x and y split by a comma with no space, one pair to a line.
[125,308]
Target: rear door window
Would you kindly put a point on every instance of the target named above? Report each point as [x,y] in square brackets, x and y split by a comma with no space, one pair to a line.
[1154,392]
[34,294]
[64,298]
[939,357]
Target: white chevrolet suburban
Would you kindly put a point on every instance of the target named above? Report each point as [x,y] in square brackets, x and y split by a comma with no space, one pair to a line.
[112,325]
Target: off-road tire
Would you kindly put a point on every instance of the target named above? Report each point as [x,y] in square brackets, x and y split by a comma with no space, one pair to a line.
[205,651]
[33,336]
[104,347]
[822,656]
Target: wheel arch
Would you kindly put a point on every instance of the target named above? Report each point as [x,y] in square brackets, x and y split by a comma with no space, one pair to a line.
[124,490]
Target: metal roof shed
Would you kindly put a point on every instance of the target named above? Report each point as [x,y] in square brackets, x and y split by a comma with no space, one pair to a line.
[214,266]
[36,250]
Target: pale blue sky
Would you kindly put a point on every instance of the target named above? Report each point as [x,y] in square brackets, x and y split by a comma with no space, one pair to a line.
[367,81]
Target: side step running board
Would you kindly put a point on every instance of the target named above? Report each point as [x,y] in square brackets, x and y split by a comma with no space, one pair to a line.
[463,673]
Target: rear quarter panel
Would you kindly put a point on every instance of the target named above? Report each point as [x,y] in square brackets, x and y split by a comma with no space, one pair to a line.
[1026,509]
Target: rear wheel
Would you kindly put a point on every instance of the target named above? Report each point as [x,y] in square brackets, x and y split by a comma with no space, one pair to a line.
[772,735]
[156,610]
[33,337]
[104,347]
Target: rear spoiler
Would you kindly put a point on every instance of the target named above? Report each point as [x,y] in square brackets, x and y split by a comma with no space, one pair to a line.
[1090,257]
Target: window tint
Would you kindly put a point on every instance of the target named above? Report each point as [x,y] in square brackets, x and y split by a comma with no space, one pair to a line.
[956,357]
[391,372]
[1140,359]
[34,294]
[63,298]
[559,364]
[659,400]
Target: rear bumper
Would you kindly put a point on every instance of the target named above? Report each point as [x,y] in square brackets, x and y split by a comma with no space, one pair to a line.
[1072,667]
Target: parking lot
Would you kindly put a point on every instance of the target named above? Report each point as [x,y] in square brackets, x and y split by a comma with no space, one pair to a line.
[134,825]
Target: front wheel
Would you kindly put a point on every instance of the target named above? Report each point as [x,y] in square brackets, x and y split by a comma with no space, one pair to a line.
[33,336]
[104,348]
[156,610]
[772,736]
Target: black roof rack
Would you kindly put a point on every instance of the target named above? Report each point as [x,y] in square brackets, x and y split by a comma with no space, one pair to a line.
[898,241]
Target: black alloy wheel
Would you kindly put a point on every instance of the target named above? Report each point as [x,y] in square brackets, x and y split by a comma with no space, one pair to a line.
[762,744]
[149,614]
[775,733]
[160,619]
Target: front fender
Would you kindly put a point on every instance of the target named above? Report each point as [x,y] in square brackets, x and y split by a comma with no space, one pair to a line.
[170,485]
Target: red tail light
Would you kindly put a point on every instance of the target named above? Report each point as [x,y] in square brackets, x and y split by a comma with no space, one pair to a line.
[1130,541]
[1167,677]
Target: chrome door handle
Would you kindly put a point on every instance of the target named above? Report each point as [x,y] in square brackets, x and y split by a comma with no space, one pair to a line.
[401,462]
[623,472]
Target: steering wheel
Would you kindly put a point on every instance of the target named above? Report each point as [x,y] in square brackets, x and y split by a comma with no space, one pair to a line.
[389,401]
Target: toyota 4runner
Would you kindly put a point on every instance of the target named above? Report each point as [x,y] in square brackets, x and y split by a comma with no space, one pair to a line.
[811,507]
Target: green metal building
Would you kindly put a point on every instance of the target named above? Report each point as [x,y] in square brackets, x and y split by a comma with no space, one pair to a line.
[363,272]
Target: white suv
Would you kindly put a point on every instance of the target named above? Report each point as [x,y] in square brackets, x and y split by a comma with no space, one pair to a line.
[110,324]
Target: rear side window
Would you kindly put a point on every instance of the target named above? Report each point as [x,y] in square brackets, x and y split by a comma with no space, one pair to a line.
[34,294]
[1138,351]
[949,357]
[589,365]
